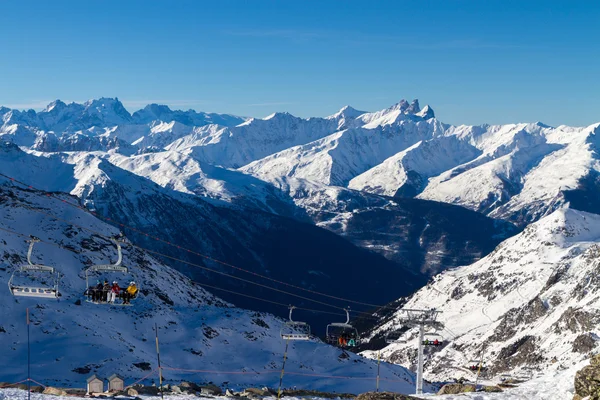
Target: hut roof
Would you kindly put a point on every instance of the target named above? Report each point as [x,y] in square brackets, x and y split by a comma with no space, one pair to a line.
[91,378]
[113,376]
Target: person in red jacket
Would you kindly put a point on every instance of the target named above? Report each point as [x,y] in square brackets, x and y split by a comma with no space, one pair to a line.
[114,292]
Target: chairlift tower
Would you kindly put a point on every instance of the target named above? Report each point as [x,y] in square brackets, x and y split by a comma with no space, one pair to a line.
[421,319]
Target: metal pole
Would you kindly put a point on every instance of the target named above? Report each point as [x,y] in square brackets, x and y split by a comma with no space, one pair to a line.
[287,342]
[479,369]
[159,367]
[420,360]
[378,363]
[28,361]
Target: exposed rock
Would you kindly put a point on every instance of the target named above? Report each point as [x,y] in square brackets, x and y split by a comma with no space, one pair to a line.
[189,386]
[175,389]
[256,392]
[54,391]
[584,343]
[516,317]
[323,395]
[587,382]
[521,352]
[211,390]
[132,392]
[492,389]
[576,320]
[148,390]
[383,396]
[456,388]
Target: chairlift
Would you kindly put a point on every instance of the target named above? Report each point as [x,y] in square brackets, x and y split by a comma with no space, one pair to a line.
[476,365]
[342,334]
[295,330]
[96,295]
[396,337]
[29,270]
[505,377]
[433,339]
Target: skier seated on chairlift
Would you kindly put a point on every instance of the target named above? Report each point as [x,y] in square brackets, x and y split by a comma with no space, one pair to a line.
[130,293]
[96,292]
[105,291]
[114,292]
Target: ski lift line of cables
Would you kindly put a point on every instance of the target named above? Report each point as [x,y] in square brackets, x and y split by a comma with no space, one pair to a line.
[270,301]
[192,264]
[196,253]
[197,283]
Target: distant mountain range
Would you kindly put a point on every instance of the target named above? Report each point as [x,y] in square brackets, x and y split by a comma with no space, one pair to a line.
[365,207]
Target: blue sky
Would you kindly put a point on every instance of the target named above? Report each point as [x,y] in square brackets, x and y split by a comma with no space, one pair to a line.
[472,61]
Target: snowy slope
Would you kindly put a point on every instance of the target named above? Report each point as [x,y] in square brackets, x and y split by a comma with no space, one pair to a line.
[251,239]
[337,158]
[533,302]
[71,340]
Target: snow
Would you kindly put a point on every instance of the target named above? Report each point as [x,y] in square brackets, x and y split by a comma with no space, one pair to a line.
[197,330]
[527,289]
[555,385]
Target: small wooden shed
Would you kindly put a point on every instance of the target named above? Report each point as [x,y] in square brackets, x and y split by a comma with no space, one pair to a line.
[115,383]
[95,384]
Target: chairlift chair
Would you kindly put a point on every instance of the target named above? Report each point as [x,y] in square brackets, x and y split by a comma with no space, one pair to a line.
[476,365]
[395,337]
[116,267]
[505,377]
[295,330]
[342,334]
[44,292]
[433,339]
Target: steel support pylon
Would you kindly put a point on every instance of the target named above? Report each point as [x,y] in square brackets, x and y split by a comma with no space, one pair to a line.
[419,389]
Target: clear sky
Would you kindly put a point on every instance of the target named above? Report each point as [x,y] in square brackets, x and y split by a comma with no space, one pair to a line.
[472,61]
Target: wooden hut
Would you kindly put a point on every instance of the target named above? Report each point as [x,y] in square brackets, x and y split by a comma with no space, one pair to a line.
[95,384]
[115,383]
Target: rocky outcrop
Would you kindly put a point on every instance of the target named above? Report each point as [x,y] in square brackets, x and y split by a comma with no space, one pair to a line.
[587,380]
[383,396]
[456,388]
[54,391]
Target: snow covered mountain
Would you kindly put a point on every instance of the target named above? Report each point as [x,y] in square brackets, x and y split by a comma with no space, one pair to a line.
[179,151]
[281,248]
[71,339]
[531,304]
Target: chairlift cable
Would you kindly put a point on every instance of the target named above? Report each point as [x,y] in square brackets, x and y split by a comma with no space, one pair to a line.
[366,315]
[200,254]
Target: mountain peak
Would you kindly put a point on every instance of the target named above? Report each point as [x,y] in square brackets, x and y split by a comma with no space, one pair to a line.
[346,112]
[56,104]
[426,113]
[107,106]
[414,107]
[279,114]
[402,106]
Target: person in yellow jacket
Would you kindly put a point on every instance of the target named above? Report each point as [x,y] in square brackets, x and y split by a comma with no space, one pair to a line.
[130,293]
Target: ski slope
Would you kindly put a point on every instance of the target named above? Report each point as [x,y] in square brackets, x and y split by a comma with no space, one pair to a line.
[71,339]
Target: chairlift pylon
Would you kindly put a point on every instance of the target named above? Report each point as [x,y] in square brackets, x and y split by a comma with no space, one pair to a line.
[295,330]
[44,292]
[98,296]
[342,334]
